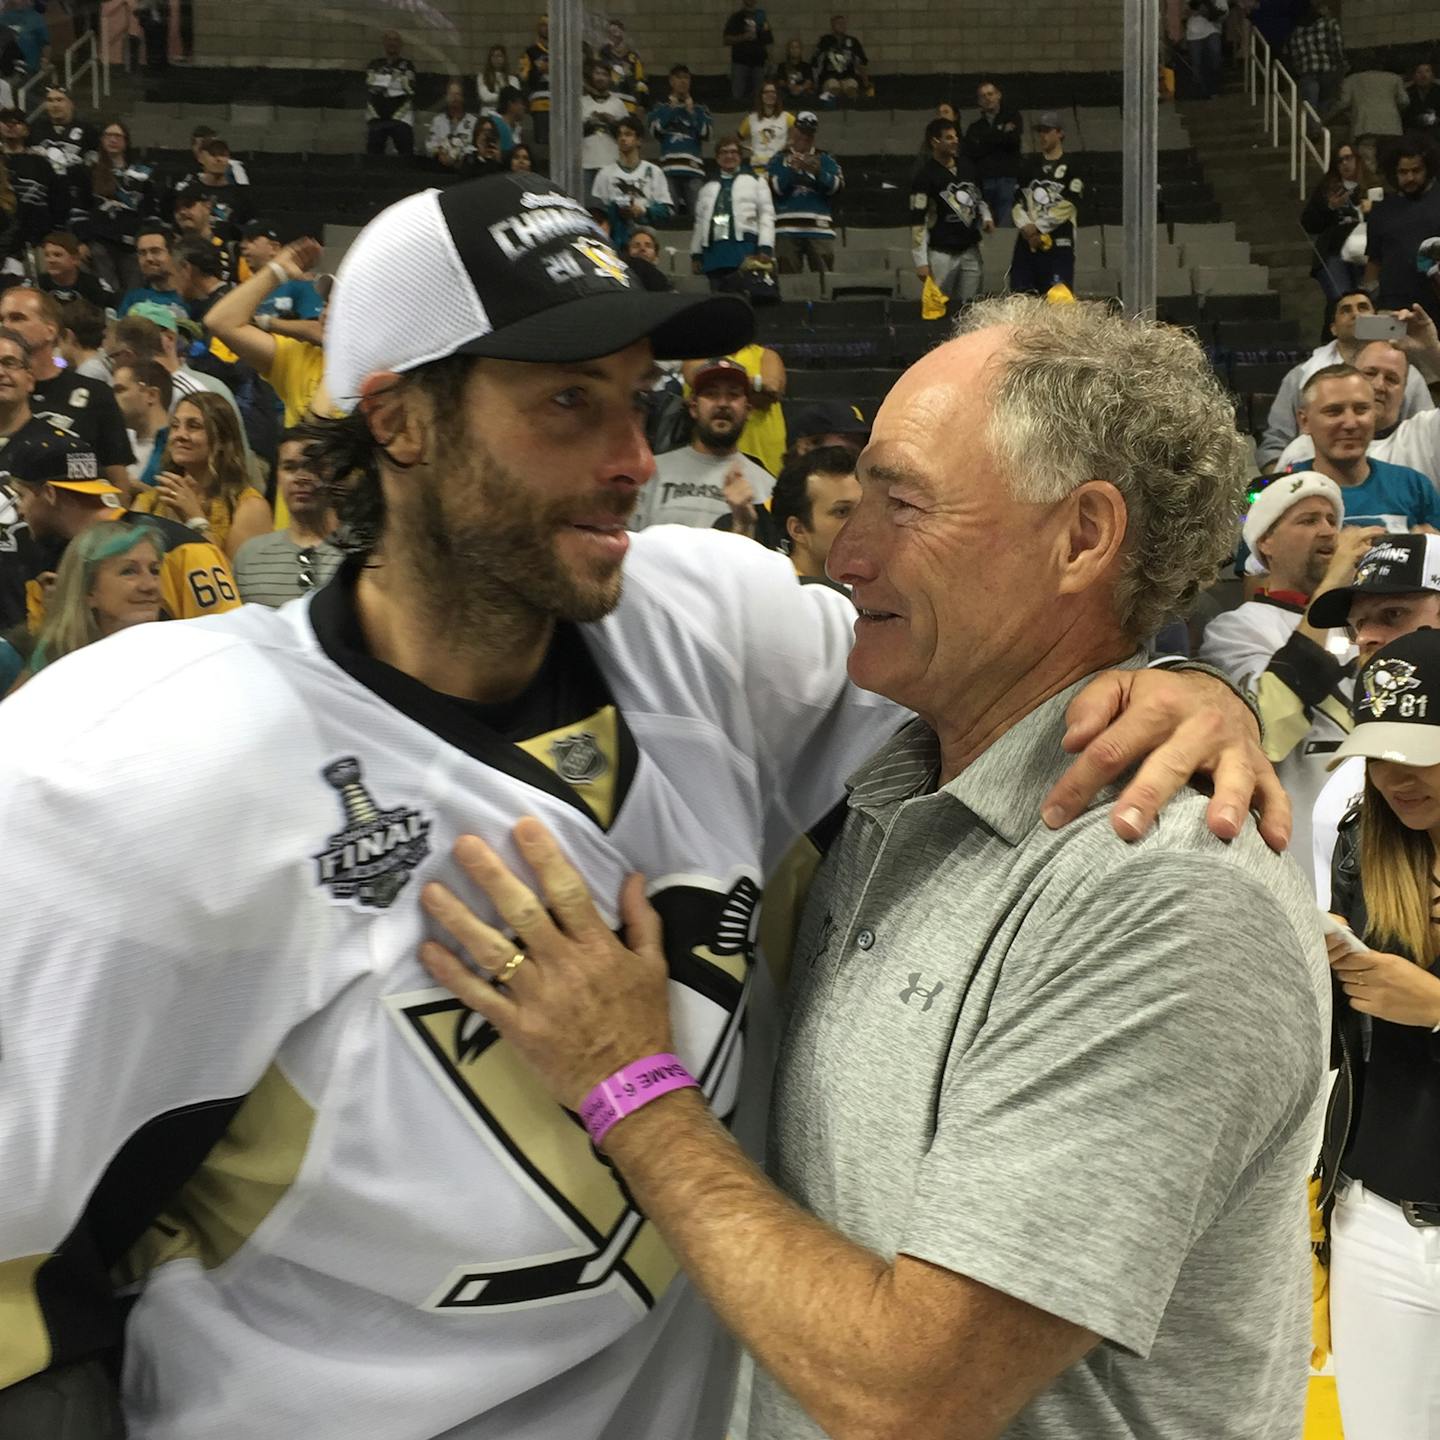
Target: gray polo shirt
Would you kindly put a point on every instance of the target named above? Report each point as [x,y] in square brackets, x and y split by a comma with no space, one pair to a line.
[1082,1072]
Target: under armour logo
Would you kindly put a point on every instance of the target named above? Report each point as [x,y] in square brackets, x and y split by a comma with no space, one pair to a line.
[913,988]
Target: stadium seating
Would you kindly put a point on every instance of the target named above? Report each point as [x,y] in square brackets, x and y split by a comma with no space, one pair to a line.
[299,130]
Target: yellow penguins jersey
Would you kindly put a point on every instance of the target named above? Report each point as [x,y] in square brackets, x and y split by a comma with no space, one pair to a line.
[342,1206]
[195,576]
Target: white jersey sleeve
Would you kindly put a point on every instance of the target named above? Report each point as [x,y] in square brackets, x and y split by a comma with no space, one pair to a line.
[786,646]
[146,973]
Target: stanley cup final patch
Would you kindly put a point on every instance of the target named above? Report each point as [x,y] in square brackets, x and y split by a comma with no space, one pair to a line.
[369,859]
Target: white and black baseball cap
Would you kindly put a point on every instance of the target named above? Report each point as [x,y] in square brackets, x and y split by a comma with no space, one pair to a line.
[1396,707]
[1394,565]
[508,266]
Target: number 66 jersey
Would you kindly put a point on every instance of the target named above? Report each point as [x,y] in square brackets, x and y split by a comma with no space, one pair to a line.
[334,1201]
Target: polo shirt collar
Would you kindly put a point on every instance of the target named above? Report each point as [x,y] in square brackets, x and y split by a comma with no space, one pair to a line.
[904,766]
[1003,787]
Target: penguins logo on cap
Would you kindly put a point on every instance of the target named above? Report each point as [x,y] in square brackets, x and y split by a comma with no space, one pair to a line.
[1385,683]
[606,262]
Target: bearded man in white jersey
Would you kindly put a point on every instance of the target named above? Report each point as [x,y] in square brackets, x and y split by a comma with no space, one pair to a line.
[230,1077]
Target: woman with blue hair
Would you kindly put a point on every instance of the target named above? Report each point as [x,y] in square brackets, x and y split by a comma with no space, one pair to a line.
[108,581]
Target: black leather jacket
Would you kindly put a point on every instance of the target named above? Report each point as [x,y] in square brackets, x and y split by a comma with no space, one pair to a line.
[1348,1027]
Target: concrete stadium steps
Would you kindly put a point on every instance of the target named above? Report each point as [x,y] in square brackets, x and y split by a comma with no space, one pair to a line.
[1251,182]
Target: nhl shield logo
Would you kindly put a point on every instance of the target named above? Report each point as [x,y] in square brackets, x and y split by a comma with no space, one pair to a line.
[578,759]
[1385,683]
[370,858]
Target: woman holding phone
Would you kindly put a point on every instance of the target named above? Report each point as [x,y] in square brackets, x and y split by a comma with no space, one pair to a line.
[1334,218]
[1382,1134]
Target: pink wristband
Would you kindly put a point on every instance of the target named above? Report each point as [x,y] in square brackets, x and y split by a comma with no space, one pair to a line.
[627,1090]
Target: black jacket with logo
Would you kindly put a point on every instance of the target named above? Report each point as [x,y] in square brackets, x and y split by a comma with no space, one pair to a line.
[946,206]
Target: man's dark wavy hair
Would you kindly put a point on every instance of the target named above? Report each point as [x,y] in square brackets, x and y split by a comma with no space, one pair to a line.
[1409,147]
[347,457]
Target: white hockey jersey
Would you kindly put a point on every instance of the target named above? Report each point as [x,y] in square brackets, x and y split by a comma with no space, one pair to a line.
[1302,692]
[216,835]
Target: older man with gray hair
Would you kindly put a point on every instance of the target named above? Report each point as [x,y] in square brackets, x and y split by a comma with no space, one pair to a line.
[1046,1101]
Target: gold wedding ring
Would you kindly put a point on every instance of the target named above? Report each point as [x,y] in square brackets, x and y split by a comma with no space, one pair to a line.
[503,976]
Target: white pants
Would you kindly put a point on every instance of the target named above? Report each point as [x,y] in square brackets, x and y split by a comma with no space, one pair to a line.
[1384,1320]
[959,276]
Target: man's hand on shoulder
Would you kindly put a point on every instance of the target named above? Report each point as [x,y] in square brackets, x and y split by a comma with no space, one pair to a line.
[1173,725]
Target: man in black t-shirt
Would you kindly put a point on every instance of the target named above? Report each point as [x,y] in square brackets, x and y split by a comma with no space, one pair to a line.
[84,407]
[992,142]
[63,277]
[748,34]
[948,214]
[841,64]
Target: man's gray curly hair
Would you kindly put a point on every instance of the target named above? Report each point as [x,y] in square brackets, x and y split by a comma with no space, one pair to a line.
[1082,393]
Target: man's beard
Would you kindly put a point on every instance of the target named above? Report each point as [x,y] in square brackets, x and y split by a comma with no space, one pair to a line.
[1315,570]
[485,548]
[718,439]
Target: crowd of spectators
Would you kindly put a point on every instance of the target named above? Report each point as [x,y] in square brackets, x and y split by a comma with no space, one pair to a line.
[156,341]
[1369,216]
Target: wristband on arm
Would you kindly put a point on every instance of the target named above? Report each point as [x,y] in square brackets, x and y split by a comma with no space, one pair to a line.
[629,1090]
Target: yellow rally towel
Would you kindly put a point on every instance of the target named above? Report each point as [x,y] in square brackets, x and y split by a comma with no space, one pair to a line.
[932,301]
[1319,1282]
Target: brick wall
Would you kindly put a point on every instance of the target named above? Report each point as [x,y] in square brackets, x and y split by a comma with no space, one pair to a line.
[903,36]
[1389,22]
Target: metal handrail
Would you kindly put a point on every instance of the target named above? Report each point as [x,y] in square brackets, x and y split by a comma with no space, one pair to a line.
[1257,70]
[1266,79]
[87,55]
[22,93]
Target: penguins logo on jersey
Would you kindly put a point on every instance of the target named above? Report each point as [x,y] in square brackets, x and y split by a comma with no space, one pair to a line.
[1046,194]
[710,945]
[369,860]
[964,199]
